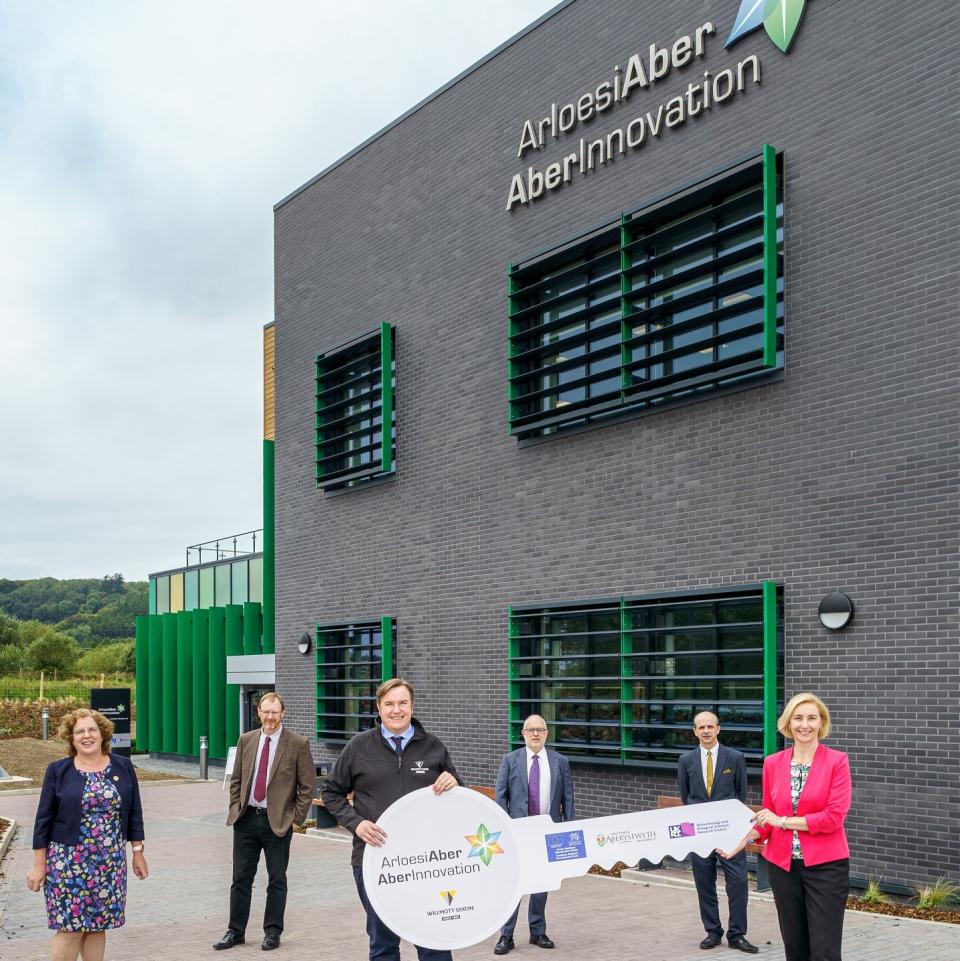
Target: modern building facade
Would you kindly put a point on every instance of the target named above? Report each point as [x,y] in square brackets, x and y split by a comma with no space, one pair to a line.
[600,368]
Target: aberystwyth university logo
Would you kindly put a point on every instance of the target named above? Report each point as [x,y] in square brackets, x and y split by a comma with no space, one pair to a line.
[483,844]
[780,18]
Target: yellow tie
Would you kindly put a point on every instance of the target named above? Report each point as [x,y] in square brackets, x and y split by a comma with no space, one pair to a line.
[709,773]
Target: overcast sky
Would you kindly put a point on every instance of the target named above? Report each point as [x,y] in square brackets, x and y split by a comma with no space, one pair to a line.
[142,147]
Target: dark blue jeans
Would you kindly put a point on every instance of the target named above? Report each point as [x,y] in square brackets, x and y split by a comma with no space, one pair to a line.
[384,944]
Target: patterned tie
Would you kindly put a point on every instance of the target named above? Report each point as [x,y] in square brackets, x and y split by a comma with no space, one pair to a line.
[397,745]
[533,786]
[709,773]
[260,787]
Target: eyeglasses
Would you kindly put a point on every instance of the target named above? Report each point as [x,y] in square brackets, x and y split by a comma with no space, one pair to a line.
[534,730]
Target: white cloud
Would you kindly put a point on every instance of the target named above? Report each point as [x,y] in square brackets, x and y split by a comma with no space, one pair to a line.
[143,147]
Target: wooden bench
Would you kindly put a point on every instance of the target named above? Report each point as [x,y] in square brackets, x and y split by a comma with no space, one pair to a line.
[763,875]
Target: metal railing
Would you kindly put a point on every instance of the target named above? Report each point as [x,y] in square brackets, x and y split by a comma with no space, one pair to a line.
[221,548]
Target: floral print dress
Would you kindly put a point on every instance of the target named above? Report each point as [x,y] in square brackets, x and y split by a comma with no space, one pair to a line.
[86,886]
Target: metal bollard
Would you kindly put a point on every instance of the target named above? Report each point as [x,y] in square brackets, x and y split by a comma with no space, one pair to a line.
[45,723]
[204,749]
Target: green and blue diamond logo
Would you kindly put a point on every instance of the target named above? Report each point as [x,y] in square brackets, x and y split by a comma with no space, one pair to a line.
[780,18]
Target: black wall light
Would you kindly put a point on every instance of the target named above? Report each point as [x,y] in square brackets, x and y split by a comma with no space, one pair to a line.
[305,643]
[835,611]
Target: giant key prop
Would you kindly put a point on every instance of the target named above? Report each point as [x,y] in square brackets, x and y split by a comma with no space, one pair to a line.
[455,865]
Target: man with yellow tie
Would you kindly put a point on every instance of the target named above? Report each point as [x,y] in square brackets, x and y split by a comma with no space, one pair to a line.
[716,773]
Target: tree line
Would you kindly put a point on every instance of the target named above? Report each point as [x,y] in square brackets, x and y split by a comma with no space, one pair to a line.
[70,627]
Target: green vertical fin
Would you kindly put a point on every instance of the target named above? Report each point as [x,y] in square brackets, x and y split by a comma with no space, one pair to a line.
[769,667]
[386,648]
[143,686]
[770,256]
[386,397]
[269,545]
[201,679]
[185,682]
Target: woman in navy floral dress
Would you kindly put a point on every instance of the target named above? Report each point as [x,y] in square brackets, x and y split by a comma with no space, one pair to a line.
[89,808]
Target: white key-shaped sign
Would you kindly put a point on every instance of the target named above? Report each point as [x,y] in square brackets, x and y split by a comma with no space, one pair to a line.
[455,865]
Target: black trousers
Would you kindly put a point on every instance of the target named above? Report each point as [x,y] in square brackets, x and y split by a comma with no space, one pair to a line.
[735,878]
[251,835]
[810,906]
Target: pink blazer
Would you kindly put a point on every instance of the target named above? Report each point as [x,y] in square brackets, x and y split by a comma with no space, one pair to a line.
[824,802]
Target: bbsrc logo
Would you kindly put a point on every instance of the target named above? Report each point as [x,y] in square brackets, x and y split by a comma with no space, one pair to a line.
[780,18]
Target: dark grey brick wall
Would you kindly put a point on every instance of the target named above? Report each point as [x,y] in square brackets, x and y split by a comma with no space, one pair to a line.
[842,476]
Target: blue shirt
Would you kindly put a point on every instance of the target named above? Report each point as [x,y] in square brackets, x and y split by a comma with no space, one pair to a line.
[406,737]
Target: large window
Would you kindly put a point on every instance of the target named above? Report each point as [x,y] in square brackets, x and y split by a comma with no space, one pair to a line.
[619,681]
[352,661]
[354,400]
[677,299]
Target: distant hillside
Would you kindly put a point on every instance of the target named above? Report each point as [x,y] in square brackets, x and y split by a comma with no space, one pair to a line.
[93,611]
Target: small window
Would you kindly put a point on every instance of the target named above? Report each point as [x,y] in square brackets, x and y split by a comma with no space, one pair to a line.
[355,412]
[352,661]
[675,300]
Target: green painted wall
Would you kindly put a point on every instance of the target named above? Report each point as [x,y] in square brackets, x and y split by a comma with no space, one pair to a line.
[184,682]
[201,679]
[169,731]
[143,688]
[217,679]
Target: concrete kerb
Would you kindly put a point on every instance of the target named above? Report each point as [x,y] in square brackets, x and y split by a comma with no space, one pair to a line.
[7,837]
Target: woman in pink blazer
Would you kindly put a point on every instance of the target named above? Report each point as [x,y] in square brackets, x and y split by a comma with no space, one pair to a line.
[806,796]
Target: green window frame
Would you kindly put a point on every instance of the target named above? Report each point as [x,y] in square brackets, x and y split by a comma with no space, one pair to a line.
[352,661]
[355,398]
[619,680]
[679,298]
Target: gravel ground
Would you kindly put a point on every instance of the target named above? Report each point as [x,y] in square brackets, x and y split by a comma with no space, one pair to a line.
[189,769]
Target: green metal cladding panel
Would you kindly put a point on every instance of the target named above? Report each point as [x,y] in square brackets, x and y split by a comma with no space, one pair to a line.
[234,644]
[201,679]
[169,737]
[143,687]
[269,582]
[252,628]
[185,682]
[155,681]
[217,680]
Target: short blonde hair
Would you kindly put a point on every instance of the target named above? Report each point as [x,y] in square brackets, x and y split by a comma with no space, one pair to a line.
[69,721]
[783,725]
[387,686]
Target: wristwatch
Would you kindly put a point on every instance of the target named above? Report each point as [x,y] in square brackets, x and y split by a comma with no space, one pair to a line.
[136,848]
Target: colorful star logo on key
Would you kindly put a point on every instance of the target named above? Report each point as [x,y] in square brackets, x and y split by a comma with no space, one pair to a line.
[484,844]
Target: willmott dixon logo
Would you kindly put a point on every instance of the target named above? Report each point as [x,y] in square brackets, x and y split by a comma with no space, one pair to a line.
[483,844]
[780,18]
[447,896]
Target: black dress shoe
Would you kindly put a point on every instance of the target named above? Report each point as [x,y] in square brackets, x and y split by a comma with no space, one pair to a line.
[541,941]
[711,941]
[270,941]
[742,944]
[228,941]
[504,945]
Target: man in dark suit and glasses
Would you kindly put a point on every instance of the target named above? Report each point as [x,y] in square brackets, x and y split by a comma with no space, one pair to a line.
[716,773]
[534,780]
[270,791]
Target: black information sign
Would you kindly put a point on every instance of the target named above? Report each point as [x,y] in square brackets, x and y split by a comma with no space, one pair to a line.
[114,703]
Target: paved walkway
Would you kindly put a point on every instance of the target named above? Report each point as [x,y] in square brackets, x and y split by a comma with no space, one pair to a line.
[180,910]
